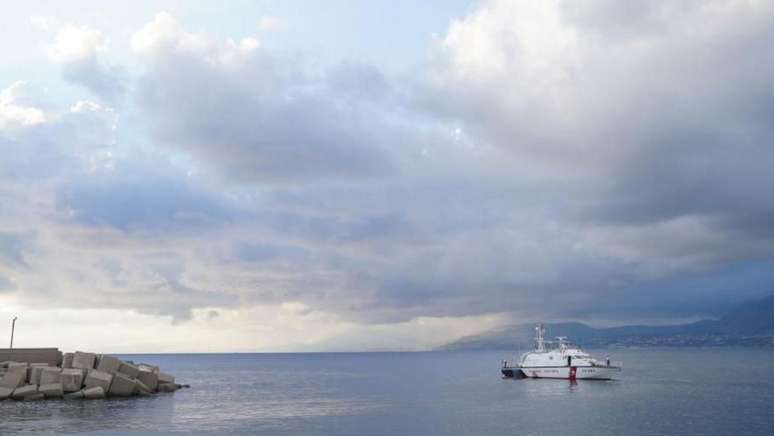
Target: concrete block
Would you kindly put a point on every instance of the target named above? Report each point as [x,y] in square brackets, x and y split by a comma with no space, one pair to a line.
[148,378]
[83,360]
[130,369]
[74,395]
[24,391]
[151,368]
[35,397]
[5,393]
[50,375]
[109,364]
[34,373]
[67,360]
[51,390]
[13,379]
[122,386]
[94,393]
[166,378]
[97,378]
[47,355]
[72,379]
[167,387]
[142,388]
[21,368]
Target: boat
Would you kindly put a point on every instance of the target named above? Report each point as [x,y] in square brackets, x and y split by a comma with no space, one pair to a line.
[560,359]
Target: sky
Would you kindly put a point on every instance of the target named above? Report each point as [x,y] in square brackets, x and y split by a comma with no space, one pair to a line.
[270,176]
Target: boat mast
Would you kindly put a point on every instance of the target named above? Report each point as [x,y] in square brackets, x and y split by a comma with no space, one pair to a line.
[539,332]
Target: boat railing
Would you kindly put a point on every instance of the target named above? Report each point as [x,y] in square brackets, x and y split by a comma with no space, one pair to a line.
[609,364]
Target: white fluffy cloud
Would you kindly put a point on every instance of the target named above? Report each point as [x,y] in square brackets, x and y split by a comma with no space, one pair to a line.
[77,44]
[14,113]
[79,50]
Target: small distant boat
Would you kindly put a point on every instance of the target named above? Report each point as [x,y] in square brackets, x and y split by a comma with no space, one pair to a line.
[559,359]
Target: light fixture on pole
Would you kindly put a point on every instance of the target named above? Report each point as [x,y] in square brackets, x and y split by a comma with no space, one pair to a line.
[13,327]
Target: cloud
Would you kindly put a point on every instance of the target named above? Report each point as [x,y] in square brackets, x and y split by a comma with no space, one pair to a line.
[6,284]
[249,114]
[269,23]
[652,124]
[78,50]
[549,160]
[42,141]
[15,114]
[143,202]
[13,246]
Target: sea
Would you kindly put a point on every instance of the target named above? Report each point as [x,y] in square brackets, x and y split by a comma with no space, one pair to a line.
[681,391]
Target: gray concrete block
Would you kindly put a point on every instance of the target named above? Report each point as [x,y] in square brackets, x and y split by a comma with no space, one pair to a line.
[166,378]
[72,379]
[122,386]
[142,388]
[24,391]
[35,397]
[21,368]
[167,387]
[47,355]
[130,369]
[34,373]
[5,393]
[50,375]
[13,379]
[97,378]
[149,378]
[74,395]
[67,360]
[51,390]
[151,368]
[94,393]
[109,364]
[83,360]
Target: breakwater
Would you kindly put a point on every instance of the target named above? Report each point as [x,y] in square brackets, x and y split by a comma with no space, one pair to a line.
[47,373]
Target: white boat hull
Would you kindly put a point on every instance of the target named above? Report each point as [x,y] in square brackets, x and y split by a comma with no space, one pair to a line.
[569,373]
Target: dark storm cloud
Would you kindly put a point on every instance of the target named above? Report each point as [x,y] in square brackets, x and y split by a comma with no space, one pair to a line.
[141,203]
[710,292]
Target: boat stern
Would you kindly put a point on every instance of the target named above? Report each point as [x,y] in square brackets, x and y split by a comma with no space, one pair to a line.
[509,372]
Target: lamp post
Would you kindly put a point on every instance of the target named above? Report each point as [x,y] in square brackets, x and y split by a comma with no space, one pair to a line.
[13,327]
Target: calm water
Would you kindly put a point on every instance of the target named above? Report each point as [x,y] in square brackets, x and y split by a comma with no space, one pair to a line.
[688,391]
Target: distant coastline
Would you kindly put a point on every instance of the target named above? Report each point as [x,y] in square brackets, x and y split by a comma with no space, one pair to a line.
[750,325]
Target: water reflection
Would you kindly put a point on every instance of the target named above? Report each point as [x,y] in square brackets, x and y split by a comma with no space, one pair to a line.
[412,393]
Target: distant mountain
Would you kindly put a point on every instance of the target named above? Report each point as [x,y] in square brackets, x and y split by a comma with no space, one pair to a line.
[751,324]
